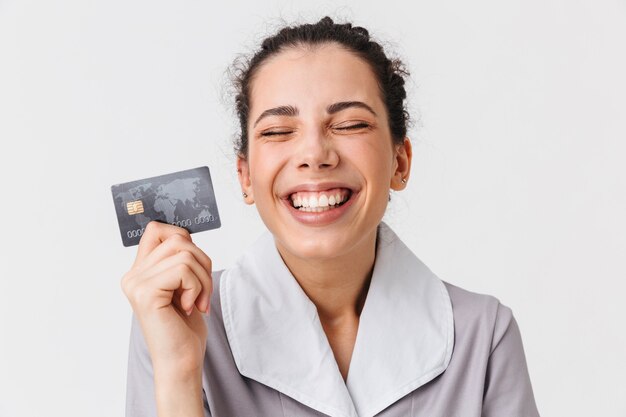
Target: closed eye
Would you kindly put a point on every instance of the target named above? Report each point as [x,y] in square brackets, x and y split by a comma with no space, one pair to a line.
[355,126]
[275,133]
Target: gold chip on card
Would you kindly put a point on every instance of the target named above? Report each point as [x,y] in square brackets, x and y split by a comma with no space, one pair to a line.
[134,207]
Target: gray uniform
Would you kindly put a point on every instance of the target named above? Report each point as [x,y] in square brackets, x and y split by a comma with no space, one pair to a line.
[424,347]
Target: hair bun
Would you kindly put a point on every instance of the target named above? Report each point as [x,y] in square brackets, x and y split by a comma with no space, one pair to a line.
[361,31]
[326,20]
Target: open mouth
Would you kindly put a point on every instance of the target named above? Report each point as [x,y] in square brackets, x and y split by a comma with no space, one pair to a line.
[319,201]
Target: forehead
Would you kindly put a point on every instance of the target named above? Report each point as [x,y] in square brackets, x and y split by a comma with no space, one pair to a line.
[311,77]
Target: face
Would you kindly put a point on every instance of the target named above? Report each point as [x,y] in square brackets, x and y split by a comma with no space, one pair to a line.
[320,158]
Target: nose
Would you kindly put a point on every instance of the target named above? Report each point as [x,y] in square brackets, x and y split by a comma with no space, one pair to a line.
[316,151]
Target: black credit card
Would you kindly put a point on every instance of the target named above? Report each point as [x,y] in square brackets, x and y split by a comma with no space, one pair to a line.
[183,198]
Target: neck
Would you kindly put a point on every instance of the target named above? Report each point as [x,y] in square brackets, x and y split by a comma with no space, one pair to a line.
[337,286]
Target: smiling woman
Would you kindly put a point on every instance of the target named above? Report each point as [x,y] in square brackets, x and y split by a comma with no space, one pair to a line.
[329,313]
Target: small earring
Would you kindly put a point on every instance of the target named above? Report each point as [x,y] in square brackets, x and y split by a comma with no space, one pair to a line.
[244,195]
[403,180]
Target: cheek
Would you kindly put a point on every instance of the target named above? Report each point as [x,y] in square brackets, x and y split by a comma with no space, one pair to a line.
[265,165]
[260,172]
[374,161]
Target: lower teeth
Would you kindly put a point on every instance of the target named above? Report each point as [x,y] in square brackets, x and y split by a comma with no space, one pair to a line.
[318,209]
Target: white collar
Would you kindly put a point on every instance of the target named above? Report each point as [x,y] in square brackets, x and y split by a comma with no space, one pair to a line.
[404,340]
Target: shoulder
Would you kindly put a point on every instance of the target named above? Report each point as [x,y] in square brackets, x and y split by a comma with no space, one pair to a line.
[472,303]
[488,362]
[478,316]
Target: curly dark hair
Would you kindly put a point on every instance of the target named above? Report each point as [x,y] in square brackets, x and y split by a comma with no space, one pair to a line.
[390,73]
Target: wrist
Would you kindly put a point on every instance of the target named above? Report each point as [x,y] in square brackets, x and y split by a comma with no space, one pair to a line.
[178,394]
[179,370]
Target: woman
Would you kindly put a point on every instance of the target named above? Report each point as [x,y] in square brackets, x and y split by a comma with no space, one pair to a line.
[329,313]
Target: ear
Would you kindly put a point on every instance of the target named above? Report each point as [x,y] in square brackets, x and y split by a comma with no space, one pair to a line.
[402,163]
[243,172]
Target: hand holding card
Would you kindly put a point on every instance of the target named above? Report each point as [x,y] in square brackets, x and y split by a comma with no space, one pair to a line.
[169,284]
[170,277]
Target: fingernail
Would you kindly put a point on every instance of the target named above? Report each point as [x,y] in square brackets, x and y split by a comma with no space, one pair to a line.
[189,311]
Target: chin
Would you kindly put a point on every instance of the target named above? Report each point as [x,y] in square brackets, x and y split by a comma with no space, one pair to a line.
[315,248]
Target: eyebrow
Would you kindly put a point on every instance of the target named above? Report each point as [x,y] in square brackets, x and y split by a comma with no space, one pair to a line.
[278,111]
[293,111]
[342,105]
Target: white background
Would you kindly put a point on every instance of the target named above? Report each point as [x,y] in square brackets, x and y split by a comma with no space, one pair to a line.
[518,186]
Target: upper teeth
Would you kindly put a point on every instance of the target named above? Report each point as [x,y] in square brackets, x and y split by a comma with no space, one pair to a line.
[314,200]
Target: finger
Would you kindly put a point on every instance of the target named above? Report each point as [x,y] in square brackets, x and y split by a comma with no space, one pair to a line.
[154,234]
[204,298]
[179,277]
[176,300]
[187,258]
[172,245]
